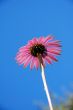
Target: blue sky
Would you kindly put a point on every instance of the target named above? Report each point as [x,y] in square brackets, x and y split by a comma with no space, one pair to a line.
[20,21]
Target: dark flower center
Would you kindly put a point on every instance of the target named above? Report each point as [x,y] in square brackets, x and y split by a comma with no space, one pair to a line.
[38,49]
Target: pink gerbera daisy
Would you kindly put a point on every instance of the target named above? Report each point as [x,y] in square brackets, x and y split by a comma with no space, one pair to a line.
[36,53]
[39,50]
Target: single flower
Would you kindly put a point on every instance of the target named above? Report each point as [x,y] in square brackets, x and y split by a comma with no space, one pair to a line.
[43,49]
[37,52]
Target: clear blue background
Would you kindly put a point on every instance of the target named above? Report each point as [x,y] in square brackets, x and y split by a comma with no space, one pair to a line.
[20,21]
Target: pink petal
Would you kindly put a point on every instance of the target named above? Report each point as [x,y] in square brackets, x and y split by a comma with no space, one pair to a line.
[54,51]
[24,49]
[48,38]
[48,60]
[36,62]
[22,60]
[41,40]
[20,55]
[27,61]
[30,43]
[43,61]
[52,57]
[32,63]
[35,40]
[54,43]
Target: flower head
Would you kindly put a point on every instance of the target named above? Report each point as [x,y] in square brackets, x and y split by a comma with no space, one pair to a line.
[39,50]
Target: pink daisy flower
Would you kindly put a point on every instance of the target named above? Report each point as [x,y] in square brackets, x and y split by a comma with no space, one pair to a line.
[39,50]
